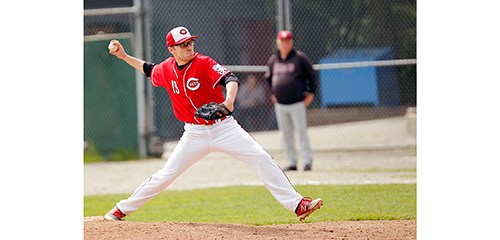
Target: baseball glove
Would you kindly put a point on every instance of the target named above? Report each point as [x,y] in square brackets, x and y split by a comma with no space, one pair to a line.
[212,111]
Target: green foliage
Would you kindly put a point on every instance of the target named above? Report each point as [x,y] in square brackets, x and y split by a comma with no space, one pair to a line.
[255,205]
[91,154]
[124,154]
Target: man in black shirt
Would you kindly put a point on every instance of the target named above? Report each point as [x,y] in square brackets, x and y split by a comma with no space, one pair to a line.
[293,84]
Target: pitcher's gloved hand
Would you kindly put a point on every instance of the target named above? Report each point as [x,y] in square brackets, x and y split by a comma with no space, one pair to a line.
[212,111]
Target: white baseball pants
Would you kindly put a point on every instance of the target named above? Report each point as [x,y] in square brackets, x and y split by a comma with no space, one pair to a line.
[197,141]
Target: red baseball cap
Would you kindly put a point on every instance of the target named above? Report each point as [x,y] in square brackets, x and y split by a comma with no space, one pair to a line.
[284,34]
[178,35]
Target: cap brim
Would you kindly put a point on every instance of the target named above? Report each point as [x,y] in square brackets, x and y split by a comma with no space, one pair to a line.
[184,39]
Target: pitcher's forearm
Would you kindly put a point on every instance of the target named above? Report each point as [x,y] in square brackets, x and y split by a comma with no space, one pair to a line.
[231,91]
[134,62]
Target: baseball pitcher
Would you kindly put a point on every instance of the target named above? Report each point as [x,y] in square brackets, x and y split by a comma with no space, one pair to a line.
[194,84]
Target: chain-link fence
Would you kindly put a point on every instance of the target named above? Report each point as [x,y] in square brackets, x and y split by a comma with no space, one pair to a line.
[352,44]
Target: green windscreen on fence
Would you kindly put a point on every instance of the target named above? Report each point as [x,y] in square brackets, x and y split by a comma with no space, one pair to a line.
[110,99]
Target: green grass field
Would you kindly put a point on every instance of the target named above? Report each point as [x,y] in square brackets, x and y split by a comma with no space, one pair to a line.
[256,206]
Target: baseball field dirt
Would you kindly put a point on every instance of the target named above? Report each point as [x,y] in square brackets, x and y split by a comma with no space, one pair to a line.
[96,228]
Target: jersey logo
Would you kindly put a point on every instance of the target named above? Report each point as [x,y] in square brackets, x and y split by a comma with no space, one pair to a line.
[220,69]
[193,84]
[175,89]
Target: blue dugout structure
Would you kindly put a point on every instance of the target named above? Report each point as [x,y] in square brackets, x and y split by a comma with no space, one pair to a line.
[359,86]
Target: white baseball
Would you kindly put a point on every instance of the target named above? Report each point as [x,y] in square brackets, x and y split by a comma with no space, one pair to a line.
[112,47]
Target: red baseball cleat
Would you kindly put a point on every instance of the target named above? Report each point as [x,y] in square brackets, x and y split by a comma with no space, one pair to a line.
[307,206]
[115,215]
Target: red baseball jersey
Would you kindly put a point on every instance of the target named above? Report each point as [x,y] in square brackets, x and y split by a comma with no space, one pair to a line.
[196,84]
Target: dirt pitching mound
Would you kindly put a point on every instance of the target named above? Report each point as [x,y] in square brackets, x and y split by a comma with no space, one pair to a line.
[96,228]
